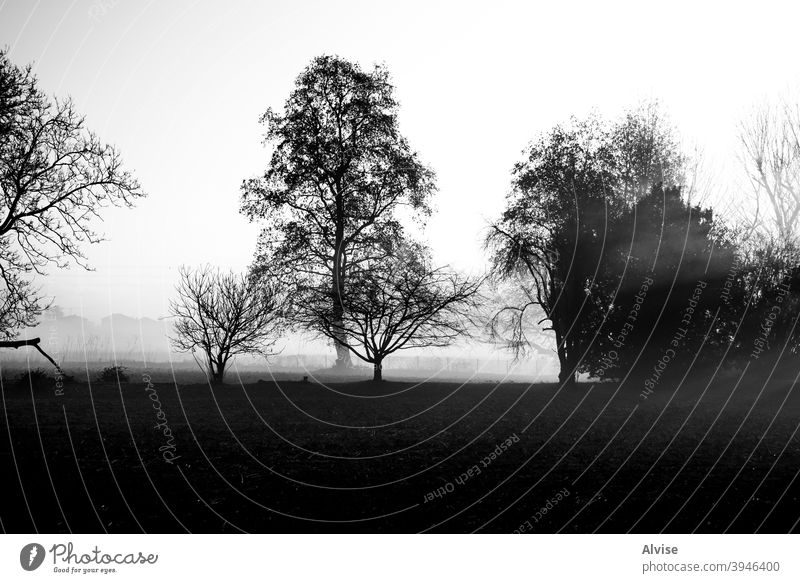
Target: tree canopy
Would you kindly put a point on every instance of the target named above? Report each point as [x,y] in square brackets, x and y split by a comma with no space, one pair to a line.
[402,301]
[574,187]
[338,173]
[55,177]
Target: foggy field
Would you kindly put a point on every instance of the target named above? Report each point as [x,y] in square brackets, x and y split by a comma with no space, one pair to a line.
[400,457]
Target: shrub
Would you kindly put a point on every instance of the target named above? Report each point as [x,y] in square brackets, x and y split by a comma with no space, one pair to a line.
[113,374]
[35,378]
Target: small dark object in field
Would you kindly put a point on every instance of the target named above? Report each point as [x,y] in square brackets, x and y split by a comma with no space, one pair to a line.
[305,379]
[112,374]
[36,378]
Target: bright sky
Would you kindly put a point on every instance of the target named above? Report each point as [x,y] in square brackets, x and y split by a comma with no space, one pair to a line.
[179,87]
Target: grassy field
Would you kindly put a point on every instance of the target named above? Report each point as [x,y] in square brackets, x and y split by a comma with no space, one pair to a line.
[399,457]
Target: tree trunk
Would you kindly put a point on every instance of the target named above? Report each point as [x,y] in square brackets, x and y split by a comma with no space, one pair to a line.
[218,374]
[566,376]
[566,372]
[342,352]
[343,360]
[377,374]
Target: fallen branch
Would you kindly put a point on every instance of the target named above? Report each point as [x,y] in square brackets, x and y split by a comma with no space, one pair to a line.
[30,342]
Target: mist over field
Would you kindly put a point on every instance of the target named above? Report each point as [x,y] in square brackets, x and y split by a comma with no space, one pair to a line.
[84,347]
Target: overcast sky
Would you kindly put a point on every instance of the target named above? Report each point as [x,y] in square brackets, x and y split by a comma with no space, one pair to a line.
[179,86]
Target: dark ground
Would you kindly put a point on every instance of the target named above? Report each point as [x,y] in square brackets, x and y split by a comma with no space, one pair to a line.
[357,457]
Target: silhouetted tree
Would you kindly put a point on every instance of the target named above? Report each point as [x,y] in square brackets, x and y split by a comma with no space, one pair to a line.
[222,315]
[55,177]
[401,301]
[670,261]
[550,234]
[339,171]
[576,183]
[763,305]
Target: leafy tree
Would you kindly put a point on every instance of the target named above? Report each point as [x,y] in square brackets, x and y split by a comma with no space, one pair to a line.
[763,305]
[576,183]
[221,315]
[550,234]
[338,174]
[401,301]
[55,177]
[670,261]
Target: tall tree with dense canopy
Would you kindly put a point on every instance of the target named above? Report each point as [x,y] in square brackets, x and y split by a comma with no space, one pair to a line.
[550,236]
[670,260]
[338,173]
[576,183]
[55,177]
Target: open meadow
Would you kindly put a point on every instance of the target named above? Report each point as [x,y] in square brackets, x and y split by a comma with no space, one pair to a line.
[287,455]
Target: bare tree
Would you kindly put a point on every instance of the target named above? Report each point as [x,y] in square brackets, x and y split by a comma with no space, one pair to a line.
[222,315]
[401,302]
[515,317]
[55,176]
[770,154]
